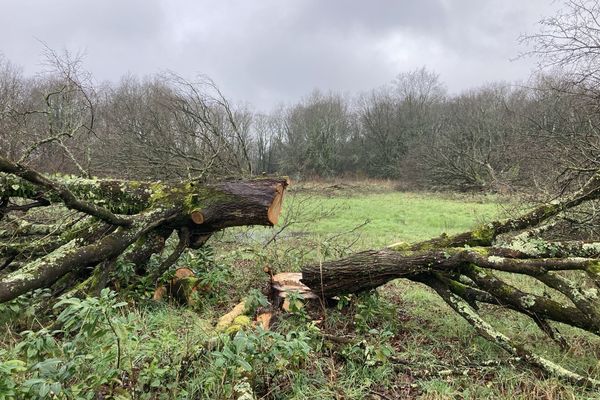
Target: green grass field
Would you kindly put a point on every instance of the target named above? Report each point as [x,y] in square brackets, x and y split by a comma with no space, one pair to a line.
[402,341]
[397,216]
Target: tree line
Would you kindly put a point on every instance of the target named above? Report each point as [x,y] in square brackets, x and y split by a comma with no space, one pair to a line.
[497,137]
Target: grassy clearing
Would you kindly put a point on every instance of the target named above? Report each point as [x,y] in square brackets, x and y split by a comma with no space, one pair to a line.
[405,342]
[397,216]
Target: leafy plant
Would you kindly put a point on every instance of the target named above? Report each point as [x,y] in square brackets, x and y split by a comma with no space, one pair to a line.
[36,346]
[91,317]
[296,304]
[254,300]
[261,356]
[23,308]
[124,271]
[8,369]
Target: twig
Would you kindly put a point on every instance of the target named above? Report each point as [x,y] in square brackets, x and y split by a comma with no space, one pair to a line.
[65,194]
[486,330]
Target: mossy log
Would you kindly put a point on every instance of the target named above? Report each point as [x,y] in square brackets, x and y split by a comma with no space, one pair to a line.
[99,221]
[469,269]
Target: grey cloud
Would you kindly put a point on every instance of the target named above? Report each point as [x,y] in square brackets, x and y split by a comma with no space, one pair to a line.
[270,51]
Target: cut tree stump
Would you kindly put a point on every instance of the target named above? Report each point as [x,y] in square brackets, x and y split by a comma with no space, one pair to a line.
[181,287]
[285,283]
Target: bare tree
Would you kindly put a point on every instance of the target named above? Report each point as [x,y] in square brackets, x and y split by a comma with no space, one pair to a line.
[268,142]
[12,91]
[50,113]
[395,120]
[315,131]
[567,101]
[169,127]
[570,41]
[476,143]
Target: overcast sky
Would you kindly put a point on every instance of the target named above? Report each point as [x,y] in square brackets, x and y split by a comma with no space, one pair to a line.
[266,52]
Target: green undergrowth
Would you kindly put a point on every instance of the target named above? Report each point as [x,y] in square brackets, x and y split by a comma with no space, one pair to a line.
[399,342]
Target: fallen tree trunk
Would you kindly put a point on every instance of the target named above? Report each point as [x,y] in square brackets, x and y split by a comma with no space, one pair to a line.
[465,269]
[99,221]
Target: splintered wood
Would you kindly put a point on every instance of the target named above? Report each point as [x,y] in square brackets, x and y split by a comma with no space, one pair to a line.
[289,282]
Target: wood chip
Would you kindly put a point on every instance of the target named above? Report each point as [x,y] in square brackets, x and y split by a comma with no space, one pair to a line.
[264,320]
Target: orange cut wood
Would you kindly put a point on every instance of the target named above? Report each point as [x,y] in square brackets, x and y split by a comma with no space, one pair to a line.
[197,217]
[275,208]
[264,320]
[159,293]
[226,320]
[183,273]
